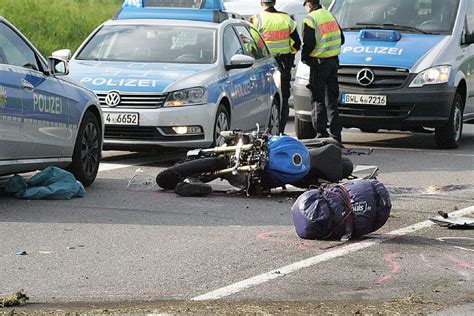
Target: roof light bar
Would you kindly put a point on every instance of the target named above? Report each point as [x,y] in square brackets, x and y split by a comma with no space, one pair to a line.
[133,3]
[189,4]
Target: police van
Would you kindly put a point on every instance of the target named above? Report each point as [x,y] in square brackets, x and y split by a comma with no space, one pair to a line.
[176,74]
[406,65]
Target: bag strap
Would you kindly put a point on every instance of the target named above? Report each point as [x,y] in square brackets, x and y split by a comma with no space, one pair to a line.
[348,220]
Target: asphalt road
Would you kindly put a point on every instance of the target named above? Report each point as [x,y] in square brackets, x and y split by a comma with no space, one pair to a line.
[130,246]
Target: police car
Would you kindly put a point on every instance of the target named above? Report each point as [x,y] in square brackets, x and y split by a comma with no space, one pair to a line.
[177,77]
[405,65]
[44,119]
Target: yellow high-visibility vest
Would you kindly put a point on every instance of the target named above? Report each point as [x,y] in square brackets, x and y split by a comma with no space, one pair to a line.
[276,29]
[327,32]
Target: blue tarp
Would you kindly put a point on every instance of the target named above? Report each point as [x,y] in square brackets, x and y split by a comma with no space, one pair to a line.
[50,184]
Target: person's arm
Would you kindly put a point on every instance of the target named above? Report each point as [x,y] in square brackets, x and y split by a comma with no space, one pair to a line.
[309,42]
[343,38]
[296,41]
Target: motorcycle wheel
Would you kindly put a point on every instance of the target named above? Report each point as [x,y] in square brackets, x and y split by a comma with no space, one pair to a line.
[169,178]
[347,167]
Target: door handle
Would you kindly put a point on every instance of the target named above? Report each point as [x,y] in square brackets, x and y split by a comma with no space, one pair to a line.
[25,84]
[253,78]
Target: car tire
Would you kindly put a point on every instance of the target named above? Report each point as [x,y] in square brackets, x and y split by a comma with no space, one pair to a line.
[304,130]
[369,129]
[222,123]
[87,150]
[275,119]
[168,179]
[449,136]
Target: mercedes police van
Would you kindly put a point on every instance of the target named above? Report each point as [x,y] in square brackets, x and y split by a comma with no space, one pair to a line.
[176,74]
[406,65]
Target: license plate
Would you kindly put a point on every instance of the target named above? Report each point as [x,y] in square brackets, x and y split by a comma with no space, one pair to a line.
[121,118]
[364,99]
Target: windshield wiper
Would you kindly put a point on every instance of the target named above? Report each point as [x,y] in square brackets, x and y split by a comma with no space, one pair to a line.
[395,26]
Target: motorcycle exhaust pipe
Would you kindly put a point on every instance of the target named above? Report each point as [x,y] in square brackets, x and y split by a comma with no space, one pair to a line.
[227,150]
[242,169]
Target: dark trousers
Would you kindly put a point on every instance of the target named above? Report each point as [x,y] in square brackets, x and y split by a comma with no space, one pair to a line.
[285,63]
[323,83]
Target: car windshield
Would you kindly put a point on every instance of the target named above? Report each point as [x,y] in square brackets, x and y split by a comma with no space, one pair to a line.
[418,16]
[152,43]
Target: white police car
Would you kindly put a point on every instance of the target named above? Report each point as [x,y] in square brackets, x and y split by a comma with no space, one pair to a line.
[44,120]
[176,77]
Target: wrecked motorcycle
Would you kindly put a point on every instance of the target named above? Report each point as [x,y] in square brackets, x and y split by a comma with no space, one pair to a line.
[258,162]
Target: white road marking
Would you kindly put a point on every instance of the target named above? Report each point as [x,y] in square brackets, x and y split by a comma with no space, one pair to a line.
[360,168]
[338,252]
[112,166]
[421,151]
[128,163]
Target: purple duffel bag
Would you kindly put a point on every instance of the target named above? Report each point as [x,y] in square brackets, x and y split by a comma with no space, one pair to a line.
[350,209]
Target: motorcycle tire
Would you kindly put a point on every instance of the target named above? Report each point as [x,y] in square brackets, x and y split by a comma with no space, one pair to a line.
[347,167]
[168,179]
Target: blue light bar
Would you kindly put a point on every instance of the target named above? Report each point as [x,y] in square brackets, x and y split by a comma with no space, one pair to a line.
[128,13]
[133,3]
[203,4]
[209,11]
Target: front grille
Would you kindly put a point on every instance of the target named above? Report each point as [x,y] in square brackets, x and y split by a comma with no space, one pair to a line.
[385,77]
[143,133]
[373,111]
[135,100]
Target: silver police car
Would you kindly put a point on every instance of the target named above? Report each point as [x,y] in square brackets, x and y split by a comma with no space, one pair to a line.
[44,120]
[164,78]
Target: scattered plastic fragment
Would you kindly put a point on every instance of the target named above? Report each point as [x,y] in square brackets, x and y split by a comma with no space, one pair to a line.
[453,222]
[20,252]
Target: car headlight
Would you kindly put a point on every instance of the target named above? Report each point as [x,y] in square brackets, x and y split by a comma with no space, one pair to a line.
[435,75]
[302,71]
[193,96]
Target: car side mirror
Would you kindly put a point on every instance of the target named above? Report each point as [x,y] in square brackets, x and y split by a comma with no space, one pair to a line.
[240,61]
[64,54]
[58,67]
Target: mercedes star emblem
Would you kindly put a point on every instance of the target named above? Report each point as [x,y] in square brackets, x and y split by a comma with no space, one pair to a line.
[365,77]
[113,99]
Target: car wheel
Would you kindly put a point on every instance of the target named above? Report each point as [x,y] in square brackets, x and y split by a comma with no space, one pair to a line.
[449,136]
[369,129]
[87,150]
[221,124]
[304,130]
[274,124]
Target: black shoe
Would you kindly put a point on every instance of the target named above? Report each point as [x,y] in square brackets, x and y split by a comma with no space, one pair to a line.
[192,187]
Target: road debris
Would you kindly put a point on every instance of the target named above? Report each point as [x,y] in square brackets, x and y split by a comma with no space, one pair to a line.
[349,152]
[453,222]
[141,182]
[20,252]
[17,299]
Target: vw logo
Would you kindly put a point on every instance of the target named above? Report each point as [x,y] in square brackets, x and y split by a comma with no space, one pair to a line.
[365,77]
[112,99]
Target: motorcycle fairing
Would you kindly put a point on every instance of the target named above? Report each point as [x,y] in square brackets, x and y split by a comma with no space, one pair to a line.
[289,160]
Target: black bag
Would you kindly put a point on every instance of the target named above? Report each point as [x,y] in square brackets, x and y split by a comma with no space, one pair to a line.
[340,211]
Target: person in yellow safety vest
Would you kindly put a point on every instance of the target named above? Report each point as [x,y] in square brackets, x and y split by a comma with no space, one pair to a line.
[280,34]
[322,40]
